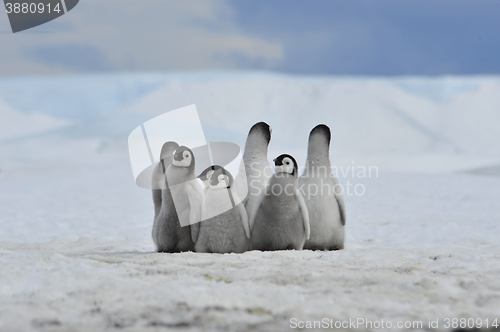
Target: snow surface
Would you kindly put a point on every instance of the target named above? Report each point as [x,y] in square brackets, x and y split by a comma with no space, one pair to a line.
[76,252]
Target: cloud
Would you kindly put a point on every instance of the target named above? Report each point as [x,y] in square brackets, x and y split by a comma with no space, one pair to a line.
[385,37]
[70,55]
[137,35]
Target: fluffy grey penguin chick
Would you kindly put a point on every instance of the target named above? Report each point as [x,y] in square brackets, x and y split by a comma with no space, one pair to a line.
[168,235]
[254,172]
[224,227]
[279,218]
[322,194]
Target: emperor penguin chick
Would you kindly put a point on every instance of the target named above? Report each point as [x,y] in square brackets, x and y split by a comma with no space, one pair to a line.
[254,172]
[322,194]
[168,235]
[205,176]
[186,192]
[181,204]
[279,218]
[224,227]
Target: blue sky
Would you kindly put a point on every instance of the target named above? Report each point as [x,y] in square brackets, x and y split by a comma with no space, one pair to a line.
[380,37]
[316,37]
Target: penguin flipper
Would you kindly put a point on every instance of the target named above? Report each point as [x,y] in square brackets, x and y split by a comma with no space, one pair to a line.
[195,198]
[305,214]
[195,230]
[340,200]
[240,182]
[244,219]
[156,186]
[256,205]
[156,201]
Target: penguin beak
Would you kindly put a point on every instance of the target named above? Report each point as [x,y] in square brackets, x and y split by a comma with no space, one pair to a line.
[178,156]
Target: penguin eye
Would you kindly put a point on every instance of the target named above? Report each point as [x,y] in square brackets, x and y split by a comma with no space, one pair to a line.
[221,178]
[186,155]
[288,163]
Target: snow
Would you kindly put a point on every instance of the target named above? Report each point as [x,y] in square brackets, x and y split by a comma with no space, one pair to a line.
[15,124]
[421,243]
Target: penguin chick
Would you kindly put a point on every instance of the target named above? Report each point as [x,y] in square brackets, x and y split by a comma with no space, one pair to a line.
[254,172]
[186,191]
[279,218]
[224,227]
[168,235]
[322,194]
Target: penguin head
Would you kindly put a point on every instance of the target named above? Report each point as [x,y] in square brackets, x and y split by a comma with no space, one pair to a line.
[221,179]
[183,157]
[167,149]
[320,134]
[205,175]
[286,164]
[263,129]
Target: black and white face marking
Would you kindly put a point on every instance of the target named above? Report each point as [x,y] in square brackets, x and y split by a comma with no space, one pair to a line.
[285,164]
[183,157]
[220,179]
[207,173]
[206,177]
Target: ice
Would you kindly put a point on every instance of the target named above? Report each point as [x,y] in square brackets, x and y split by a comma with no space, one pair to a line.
[15,124]
[422,242]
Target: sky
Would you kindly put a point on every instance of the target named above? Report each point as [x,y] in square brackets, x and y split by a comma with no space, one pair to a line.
[313,37]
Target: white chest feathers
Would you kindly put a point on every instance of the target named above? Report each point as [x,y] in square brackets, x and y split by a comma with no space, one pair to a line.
[216,202]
